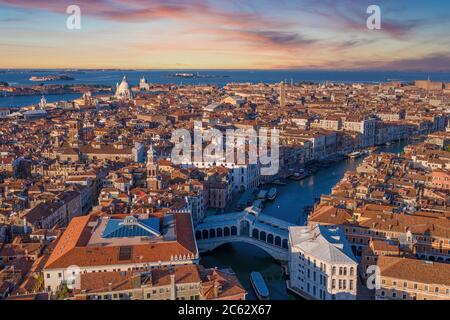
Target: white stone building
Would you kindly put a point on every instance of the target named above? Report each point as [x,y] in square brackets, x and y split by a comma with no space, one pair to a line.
[321,264]
[123,91]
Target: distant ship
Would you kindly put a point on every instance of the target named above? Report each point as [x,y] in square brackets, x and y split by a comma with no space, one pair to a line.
[259,285]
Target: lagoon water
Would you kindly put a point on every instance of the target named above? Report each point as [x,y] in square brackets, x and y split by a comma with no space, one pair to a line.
[216,77]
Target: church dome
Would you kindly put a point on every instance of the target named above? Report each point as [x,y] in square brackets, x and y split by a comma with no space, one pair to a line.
[123,90]
[124,85]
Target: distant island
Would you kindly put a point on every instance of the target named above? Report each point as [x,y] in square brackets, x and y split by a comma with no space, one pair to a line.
[51,78]
[195,76]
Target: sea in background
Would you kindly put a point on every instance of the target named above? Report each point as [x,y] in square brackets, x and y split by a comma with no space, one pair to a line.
[215,77]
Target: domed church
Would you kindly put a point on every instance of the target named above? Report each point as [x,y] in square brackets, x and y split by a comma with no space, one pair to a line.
[123,91]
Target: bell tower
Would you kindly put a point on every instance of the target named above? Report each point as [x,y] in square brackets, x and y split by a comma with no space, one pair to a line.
[75,131]
[153,178]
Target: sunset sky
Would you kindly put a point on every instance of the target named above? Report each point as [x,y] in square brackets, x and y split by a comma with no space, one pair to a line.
[233,34]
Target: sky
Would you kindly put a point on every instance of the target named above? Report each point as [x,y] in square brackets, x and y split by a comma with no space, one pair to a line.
[226,34]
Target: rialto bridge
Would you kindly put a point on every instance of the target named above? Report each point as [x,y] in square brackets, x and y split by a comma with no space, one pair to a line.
[266,232]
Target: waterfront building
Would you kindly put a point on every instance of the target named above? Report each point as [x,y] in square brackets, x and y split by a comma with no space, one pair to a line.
[321,264]
[243,176]
[4,112]
[412,279]
[364,126]
[123,91]
[143,84]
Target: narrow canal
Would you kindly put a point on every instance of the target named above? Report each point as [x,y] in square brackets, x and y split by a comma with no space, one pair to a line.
[291,200]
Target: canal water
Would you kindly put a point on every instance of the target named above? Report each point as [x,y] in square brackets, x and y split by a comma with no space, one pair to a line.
[291,200]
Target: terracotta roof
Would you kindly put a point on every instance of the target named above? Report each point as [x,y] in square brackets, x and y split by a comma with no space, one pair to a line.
[414,270]
[331,215]
[73,249]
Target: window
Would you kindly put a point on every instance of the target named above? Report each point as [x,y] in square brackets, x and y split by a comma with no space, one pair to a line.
[48,275]
[351,284]
[352,270]
[333,272]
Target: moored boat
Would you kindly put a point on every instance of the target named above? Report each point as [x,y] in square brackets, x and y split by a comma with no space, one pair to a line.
[355,155]
[262,195]
[259,285]
[272,194]
[302,174]
[279,183]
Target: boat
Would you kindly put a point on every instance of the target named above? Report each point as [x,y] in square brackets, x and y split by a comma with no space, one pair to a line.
[273,192]
[355,155]
[300,175]
[279,183]
[262,195]
[372,150]
[258,204]
[259,286]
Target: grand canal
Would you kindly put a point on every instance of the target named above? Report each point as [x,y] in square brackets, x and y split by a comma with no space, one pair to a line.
[291,200]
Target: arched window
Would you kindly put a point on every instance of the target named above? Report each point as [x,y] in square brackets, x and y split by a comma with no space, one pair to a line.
[226,232]
[212,233]
[270,238]
[198,235]
[285,244]
[233,231]
[255,233]
[219,232]
[205,234]
[352,270]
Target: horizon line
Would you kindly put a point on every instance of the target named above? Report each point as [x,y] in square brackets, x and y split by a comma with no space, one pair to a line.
[225,69]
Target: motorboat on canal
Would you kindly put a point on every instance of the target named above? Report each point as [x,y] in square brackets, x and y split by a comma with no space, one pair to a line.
[279,183]
[355,155]
[262,195]
[302,174]
[260,286]
[272,194]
